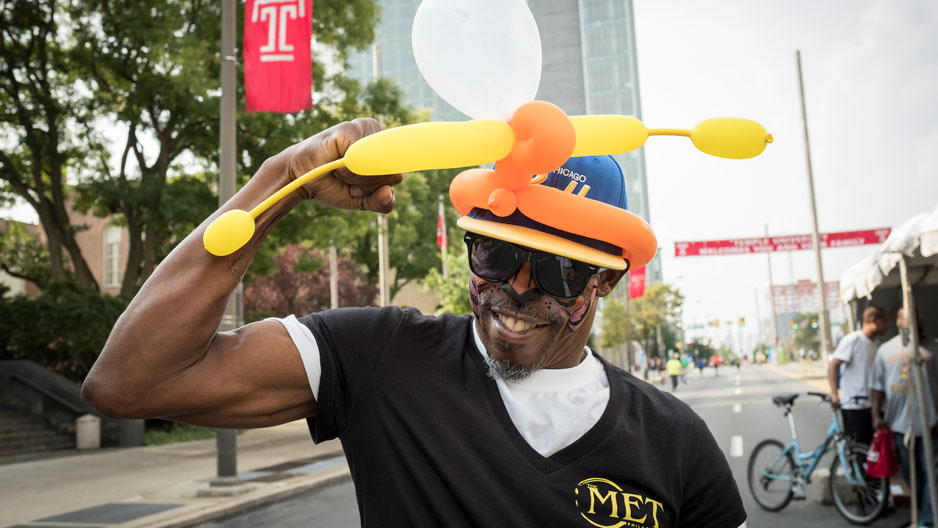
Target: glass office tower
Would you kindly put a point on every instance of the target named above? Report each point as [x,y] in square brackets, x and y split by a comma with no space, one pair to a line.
[589,67]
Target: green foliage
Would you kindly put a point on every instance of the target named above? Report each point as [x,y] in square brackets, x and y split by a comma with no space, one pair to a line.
[639,319]
[148,73]
[300,285]
[166,432]
[806,336]
[453,291]
[701,350]
[617,323]
[23,255]
[64,328]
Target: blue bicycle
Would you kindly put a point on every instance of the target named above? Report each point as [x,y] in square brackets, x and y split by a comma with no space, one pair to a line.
[779,473]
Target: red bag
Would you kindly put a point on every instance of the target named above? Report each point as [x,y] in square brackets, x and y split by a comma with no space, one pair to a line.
[881,459]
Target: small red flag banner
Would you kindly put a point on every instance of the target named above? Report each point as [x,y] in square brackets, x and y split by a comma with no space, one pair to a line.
[637,283]
[278,64]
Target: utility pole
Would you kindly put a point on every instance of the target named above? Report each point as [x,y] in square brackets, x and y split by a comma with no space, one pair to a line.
[384,297]
[226,439]
[333,277]
[823,317]
[768,258]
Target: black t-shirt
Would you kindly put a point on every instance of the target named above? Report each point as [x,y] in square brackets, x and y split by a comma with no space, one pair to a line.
[430,443]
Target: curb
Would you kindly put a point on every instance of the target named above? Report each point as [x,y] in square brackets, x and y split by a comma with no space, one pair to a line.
[204,510]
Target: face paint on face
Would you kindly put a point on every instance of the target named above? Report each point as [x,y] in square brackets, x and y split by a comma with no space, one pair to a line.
[556,340]
[574,311]
[478,287]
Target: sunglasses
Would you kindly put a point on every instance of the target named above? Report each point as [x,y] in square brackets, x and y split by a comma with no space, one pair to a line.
[499,261]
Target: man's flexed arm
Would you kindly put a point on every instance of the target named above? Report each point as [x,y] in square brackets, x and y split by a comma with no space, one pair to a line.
[164,357]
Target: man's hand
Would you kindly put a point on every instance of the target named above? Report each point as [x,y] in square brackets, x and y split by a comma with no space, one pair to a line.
[341,188]
[835,401]
[878,423]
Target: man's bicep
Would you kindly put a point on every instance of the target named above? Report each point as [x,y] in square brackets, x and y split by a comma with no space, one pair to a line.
[251,377]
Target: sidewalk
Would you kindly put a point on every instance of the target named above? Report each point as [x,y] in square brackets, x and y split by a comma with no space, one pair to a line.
[811,372]
[164,486]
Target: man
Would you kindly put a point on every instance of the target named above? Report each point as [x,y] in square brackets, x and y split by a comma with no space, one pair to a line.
[674,370]
[501,419]
[891,383]
[855,353]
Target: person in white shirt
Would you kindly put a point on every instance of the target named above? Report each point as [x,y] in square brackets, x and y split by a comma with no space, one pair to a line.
[855,353]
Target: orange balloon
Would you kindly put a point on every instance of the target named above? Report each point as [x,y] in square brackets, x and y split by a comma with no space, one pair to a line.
[502,202]
[590,218]
[472,188]
[544,137]
[561,210]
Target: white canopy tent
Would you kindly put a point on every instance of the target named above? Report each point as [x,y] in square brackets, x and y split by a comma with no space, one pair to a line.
[878,273]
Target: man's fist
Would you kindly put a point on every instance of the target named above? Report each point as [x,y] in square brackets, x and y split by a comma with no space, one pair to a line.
[341,188]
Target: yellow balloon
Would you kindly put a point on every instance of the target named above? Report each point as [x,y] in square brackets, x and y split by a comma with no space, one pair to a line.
[598,135]
[425,146]
[227,233]
[730,137]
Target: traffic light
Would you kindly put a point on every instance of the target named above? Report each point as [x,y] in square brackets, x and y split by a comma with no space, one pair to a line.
[813,323]
[793,324]
[716,323]
[742,321]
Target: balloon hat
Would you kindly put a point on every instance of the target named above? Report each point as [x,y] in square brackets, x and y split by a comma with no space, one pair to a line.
[494,81]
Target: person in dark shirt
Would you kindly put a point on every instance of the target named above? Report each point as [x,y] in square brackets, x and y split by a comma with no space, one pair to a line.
[500,418]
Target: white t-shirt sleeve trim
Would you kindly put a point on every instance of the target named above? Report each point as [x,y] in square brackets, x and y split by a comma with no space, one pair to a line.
[309,350]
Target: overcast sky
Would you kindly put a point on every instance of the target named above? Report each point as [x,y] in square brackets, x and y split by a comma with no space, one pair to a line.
[871,82]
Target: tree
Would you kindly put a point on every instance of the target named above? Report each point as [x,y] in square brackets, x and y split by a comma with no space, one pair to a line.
[39,111]
[301,285]
[806,336]
[659,307]
[22,255]
[147,72]
[453,290]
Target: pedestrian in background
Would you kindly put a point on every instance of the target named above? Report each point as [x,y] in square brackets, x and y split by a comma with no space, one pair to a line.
[674,370]
[855,353]
[891,384]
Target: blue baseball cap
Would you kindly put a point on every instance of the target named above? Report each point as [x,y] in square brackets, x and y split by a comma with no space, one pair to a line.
[596,178]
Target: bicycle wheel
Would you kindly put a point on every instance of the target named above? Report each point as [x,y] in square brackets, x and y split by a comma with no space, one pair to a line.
[863,501]
[771,473]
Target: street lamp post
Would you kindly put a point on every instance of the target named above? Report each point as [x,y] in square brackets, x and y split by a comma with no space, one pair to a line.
[226,439]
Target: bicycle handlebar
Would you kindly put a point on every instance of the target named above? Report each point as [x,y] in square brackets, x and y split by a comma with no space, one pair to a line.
[822,395]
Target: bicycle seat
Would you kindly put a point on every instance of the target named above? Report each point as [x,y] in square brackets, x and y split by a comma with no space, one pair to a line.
[784,400]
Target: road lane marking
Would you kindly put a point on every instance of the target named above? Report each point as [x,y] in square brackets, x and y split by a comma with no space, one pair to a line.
[737,407]
[737,391]
[736,446]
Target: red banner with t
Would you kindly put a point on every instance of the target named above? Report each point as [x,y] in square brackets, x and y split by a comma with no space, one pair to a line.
[278,64]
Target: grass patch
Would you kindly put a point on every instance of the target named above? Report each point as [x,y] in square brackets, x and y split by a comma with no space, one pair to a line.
[172,432]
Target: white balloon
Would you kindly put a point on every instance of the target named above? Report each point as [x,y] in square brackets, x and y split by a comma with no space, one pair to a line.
[481,56]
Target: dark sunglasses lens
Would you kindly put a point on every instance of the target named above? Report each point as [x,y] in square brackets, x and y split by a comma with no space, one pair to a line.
[561,276]
[493,259]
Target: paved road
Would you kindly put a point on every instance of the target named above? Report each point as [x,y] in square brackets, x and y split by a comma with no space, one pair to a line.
[736,406]
[739,411]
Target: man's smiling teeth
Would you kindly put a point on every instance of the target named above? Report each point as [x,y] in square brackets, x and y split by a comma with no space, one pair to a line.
[515,325]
